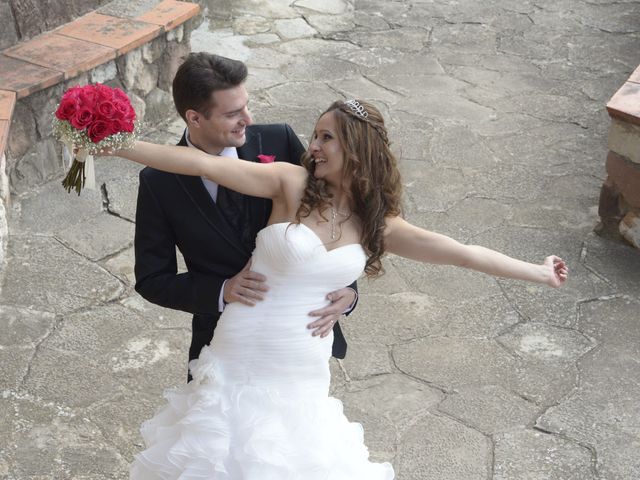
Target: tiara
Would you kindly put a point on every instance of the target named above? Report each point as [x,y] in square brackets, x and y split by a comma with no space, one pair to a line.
[356,108]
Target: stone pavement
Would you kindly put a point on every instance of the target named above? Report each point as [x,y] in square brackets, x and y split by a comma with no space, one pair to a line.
[496,109]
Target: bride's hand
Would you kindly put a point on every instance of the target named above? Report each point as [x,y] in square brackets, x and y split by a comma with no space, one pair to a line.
[557,270]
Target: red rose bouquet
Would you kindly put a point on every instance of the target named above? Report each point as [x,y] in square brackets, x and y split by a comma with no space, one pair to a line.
[89,119]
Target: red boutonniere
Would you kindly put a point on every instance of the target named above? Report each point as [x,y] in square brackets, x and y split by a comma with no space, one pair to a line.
[267,158]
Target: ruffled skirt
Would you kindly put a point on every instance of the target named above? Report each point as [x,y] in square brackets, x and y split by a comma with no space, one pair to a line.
[214,431]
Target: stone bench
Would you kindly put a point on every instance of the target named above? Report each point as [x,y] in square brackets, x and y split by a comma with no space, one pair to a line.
[619,207]
[136,45]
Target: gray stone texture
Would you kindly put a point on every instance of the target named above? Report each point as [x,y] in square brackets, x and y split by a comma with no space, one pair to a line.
[496,112]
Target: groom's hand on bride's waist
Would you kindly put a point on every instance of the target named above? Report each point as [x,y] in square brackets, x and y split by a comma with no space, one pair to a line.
[341,302]
[247,287]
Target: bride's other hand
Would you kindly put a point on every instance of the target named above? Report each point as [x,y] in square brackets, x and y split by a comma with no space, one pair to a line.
[557,269]
[341,300]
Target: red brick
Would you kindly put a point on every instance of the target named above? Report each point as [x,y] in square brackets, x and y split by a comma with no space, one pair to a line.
[625,103]
[7,102]
[635,76]
[625,175]
[170,13]
[25,78]
[120,33]
[4,135]
[65,54]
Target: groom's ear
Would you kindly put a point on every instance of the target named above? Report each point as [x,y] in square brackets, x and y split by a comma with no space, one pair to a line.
[193,118]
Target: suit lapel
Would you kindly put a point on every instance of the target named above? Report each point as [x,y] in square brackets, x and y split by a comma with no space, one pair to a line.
[198,194]
[234,202]
[252,147]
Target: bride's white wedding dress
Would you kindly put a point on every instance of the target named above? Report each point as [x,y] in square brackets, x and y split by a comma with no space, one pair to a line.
[259,406]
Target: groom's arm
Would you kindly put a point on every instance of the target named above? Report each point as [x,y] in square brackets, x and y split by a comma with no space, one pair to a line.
[157,279]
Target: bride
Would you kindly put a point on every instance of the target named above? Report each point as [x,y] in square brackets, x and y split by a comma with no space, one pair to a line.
[259,406]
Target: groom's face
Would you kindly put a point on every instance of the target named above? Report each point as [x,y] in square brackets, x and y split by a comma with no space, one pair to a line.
[226,123]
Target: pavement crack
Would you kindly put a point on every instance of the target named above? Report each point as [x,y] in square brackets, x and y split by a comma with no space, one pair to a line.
[106,204]
[38,347]
[384,87]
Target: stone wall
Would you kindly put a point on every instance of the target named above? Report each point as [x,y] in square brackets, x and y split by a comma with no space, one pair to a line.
[24,19]
[29,155]
[620,194]
[34,156]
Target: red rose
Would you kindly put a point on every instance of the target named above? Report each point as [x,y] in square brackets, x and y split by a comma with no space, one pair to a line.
[82,118]
[267,158]
[106,110]
[98,130]
[120,95]
[67,108]
[116,126]
[103,93]
[88,97]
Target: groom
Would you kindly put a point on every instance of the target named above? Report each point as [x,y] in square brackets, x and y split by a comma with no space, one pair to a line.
[213,227]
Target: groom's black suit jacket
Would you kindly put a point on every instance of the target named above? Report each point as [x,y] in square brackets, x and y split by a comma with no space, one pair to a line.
[215,239]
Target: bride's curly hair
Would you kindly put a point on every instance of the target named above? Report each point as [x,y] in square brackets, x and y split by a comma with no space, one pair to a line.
[370,167]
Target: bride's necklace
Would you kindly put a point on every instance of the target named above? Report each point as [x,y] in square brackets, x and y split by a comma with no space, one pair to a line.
[334,215]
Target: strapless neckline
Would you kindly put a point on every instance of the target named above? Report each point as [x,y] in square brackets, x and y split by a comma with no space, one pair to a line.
[314,235]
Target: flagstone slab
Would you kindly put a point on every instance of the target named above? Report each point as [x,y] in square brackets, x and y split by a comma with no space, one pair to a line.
[386,406]
[122,195]
[490,408]
[233,46]
[452,363]
[68,378]
[536,455]
[14,365]
[152,361]
[315,46]
[98,237]
[444,283]
[293,28]
[274,9]
[24,327]
[466,219]
[439,447]
[605,404]
[367,359]
[120,417]
[546,343]
[50,208]
[333,7]
[324,68]
[297,94]
[158,317]
[396,318]
[170,13]
[327,24]
[35,267]
[48,442]
[389,282]
[616,262]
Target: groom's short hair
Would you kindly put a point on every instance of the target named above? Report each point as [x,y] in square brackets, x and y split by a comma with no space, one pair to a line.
[199,76]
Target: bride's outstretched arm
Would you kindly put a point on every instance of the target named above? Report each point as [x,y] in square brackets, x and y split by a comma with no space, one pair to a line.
[250,178]
[406,240]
